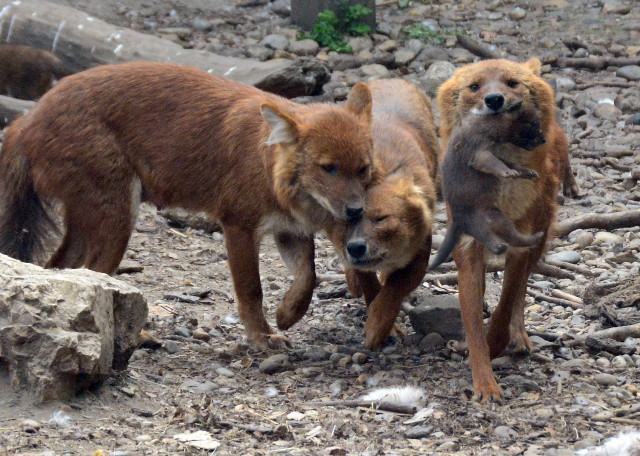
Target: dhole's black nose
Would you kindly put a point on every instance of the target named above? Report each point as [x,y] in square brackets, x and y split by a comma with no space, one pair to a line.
[354,212]
[494,101]
[357,249]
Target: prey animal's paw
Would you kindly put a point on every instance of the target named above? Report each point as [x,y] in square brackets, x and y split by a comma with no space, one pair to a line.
[510,173]
[499,249]
[528,174]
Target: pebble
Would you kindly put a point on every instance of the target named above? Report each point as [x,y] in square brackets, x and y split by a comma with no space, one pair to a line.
[574,364]
[607,111]
[564,85]
[171,346]
[225,372]
[256,51]
[30,426]
[568,256]
[603,363]
[201,24]
[388,46]
[431,342]
[359,358]
[607,237]
[618,362]
[418,432]
[201,334]
[182,331]
[143,438]
[275,41]
[449,446]
[360,43]
[505,432]
[275,363]
[584,239]
[629,72]
[375,70]
[517,14]
[606,379]
[304,47]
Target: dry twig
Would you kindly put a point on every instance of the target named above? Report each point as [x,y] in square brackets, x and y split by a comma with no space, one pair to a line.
[382,406]
[601,221]
[476,48]
[597,63]
[617,333]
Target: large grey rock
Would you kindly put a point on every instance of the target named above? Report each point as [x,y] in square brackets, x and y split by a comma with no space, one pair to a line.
[304,47]
[438,314]
[64,330]
[436,74]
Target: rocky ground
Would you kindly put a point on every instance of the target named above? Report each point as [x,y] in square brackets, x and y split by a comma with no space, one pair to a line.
[565,397]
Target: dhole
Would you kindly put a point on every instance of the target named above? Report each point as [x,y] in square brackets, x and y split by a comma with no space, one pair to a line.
[105,139]
[487,88]
[394,235]
[470,178]
[27,73]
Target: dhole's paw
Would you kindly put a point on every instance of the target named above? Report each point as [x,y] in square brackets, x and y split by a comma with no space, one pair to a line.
[271,341]
[528,174]
[487,391]
[521,344]
[288,315]
[374,340]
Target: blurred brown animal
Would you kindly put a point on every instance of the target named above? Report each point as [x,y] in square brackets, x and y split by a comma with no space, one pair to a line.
[28,73]
[490,87]
[105,139]
[394,235]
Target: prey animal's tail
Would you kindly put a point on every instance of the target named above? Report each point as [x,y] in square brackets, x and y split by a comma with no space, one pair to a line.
[450,240]
[25,223]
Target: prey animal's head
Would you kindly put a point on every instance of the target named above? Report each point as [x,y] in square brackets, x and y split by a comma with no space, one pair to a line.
[325,154]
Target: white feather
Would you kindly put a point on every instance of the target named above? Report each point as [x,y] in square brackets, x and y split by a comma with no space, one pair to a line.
[621,445]
[405,395]
[60,418]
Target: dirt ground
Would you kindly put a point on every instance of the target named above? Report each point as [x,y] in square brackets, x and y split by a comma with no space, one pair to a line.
[554,398]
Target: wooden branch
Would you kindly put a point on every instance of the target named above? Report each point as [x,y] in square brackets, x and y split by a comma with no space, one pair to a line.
[552,300]
[552,271]
[476,48]
[382,406]
[571,267]
[597,63]
[607,222]
[617,333]
[10,108]
[621,85]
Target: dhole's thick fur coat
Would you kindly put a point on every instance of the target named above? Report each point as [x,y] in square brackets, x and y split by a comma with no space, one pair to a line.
[105,139]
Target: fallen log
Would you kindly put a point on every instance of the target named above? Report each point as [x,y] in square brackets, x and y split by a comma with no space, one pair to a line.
[617,333]
[82,41]
[476,48]
[597,63]
[10,108]
[600,221]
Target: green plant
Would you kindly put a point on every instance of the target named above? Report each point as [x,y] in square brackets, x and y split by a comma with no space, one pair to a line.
[330,28]
[424,33]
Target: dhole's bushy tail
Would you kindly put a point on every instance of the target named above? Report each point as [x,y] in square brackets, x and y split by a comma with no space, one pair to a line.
[450,240]
[25,223]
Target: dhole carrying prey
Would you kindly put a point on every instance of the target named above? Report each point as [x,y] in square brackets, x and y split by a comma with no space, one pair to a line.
[488,88]
[470,178]
[394,235]
[105,139]
[27,73]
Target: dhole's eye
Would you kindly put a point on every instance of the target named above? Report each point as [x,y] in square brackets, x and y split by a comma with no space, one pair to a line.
[474,87]
[363,171]
[379,219]
[331,169]
[513,84]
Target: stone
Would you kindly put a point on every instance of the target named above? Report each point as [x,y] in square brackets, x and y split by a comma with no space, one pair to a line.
[607,111]
[305,76]
[255,51]
[606,379]
[304,47]
[505,433]
[629,72]
[61,331]
[436,74]
[633,119]
[564,85]
[182,331]
[431,342]
[418,432]
[605,237]
[517,14]
[275,41]
[251,2]
[360,43]
[567,256]
[388,46]
[281,7]
[172,347]
[615,7]
[584,239]
[275,363]
[359,358]
[201,334]
[201,24]
[439,314]
[404,57]
[375,71]
[129,266]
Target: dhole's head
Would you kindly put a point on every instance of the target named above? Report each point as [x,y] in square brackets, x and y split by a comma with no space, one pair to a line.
[493,87]
[395,225]
[325,153]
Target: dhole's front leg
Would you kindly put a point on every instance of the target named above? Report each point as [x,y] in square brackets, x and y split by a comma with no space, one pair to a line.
[298,254]
[242,250]
[384,309]
[471,276]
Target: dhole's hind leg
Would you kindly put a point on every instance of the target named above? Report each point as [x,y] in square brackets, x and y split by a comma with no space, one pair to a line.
[504,227]
[298,254]
[72,251]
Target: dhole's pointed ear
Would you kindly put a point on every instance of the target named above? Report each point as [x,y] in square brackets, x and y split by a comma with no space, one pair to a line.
[359,100]
[404,181]
[284,129]
[534,65]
